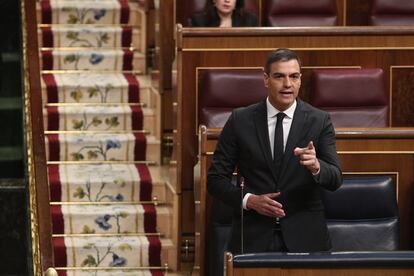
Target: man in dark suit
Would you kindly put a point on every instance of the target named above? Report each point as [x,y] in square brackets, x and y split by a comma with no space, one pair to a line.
[285,161]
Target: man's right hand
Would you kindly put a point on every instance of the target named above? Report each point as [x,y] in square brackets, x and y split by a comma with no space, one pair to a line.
[266,205]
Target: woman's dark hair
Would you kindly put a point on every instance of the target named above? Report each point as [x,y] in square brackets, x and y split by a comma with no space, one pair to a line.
[240,17]
[239,3]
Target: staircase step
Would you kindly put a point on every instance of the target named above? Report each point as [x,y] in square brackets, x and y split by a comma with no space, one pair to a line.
[93,59]
[152,95]
[94,36]
[85,12]
[105,183]
[97,88]
[98,147]
[89,117]
[128,252]
[111,219]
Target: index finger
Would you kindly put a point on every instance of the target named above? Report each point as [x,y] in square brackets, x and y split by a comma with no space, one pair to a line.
[298,151]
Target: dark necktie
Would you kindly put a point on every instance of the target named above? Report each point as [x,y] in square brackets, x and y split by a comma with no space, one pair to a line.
[278,142]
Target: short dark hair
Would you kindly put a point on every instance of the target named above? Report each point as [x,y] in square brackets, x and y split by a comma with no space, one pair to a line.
[281,54]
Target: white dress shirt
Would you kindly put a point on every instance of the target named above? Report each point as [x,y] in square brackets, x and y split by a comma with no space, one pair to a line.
[271,125]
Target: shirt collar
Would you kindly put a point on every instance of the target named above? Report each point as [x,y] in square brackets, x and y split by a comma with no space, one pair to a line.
[272,111]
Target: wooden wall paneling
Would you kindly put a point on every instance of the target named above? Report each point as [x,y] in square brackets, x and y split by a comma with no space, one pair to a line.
[187,218]
[150,22]
[167,42]
[341,10]
[241,39]
[358,12]
[167,119]
[402,87]
[167,55]
[260,5]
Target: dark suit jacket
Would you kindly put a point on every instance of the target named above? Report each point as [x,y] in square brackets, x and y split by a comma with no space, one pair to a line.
[244,143]
[210,18]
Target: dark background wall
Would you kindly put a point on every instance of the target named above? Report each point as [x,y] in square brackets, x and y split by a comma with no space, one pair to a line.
[14,234]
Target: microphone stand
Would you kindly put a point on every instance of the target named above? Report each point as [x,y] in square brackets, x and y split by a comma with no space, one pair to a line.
[242,213]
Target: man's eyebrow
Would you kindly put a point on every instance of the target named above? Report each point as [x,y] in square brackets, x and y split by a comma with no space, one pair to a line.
[283,74]
[278,74]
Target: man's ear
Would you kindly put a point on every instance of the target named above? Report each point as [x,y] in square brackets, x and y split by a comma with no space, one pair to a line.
[266,80]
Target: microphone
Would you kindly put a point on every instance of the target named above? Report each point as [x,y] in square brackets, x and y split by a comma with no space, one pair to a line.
[277,221]
[242,213]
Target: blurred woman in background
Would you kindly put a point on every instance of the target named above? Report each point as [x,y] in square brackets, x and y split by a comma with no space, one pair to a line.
[224,13]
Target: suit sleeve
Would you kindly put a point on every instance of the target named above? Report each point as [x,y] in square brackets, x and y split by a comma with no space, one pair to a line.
[223,163]
[330,176]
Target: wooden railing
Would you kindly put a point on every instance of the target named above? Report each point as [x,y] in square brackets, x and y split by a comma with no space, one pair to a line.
[42,252]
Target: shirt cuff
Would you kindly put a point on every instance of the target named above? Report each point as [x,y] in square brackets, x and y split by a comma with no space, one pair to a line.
[246,196]
[316,175]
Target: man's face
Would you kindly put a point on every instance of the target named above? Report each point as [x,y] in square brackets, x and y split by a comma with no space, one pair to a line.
[225,7]
[283,83]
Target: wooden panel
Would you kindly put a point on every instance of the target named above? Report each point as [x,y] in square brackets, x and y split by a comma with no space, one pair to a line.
[166,39]
[187,217]
[341,10]
[365,151]
[402,95]
[166,55]
[150,17]
[167,113]
[358,12]
[242,39]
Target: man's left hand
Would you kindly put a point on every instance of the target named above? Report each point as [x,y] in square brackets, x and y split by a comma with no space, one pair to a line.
[308,158]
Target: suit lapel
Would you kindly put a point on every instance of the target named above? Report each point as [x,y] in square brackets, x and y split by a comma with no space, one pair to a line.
[262,132]
[297,129]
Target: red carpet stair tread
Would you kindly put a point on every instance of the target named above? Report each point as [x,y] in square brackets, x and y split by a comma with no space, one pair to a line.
[110,216]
